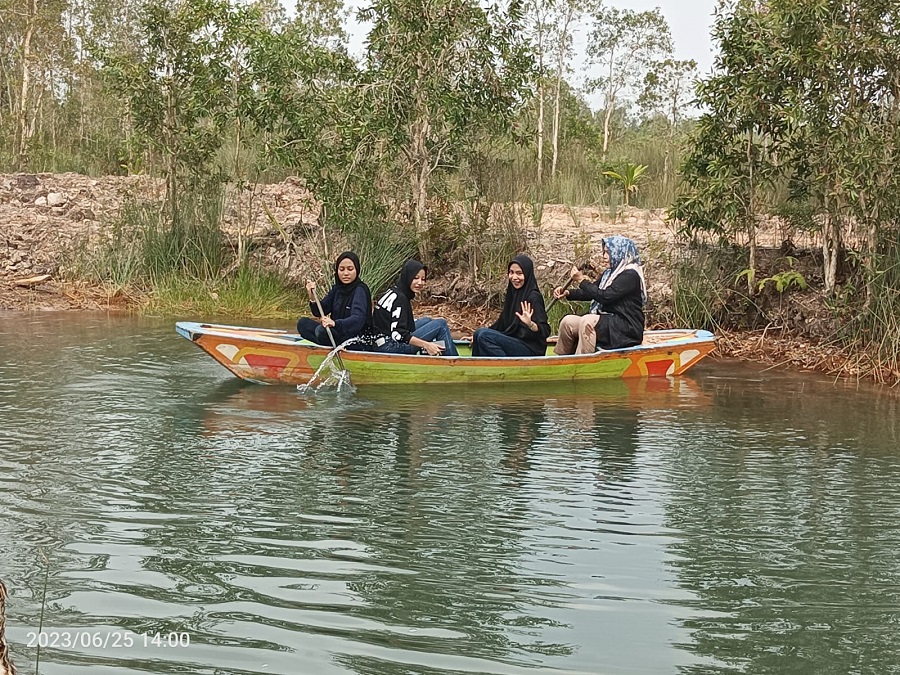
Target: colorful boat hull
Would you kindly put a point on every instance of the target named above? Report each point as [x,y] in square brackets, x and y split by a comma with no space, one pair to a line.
[269,356]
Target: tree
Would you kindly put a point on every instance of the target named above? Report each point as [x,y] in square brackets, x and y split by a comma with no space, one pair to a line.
[321,23]
[804,94]
[539,15]
[668,86]
[624,44]
[32,46]
[439,75]
[732,161]
[568,13]
[177,82]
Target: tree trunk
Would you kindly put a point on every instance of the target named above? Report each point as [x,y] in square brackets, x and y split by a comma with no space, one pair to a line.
[871,262]
[831,244]
[420,174]
[540,132]
[540,104]
[670,144]
[610,104]
[751,219]
[555,127]
[420,161]
[560,63]
[606,119]
[171,150]
[24,106]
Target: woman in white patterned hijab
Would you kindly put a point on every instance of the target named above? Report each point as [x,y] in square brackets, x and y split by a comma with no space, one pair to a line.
[616,316]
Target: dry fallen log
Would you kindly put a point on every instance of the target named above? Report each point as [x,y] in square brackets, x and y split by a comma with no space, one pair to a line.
[31,281]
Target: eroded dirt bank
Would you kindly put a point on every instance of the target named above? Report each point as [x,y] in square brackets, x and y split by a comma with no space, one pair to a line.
[43,216]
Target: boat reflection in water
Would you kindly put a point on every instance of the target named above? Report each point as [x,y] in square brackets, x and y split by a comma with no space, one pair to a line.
[507,430]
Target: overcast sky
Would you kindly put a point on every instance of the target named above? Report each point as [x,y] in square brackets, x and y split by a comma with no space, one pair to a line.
[690,21]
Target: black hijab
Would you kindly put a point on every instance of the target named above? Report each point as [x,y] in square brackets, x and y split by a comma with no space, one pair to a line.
[404,282]
[509,323]
[343,293]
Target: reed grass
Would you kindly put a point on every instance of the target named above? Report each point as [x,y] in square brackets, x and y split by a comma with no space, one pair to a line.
[702,286]
[872,326]
[190,242]
[560,309]
[250,291]
[382,252]
[142,247]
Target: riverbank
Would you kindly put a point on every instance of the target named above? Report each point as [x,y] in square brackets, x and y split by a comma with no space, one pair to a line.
[43,217]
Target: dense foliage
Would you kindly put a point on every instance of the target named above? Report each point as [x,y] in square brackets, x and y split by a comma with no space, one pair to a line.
[183,88]
[802,121]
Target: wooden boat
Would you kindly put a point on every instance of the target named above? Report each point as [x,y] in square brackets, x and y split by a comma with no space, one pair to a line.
[268,356]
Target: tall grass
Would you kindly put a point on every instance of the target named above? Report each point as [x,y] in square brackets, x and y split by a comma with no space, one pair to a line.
[142,247]
[510,174]
[872,325]
[178,261]
[191,243]
[702,285]
[559,309]
[251,291]
[382,252]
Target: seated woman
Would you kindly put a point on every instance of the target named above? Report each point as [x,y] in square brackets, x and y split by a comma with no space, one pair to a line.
[616,316]
[522,328]
[394,327]
[347,308]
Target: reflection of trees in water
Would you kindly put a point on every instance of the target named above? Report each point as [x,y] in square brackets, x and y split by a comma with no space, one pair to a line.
[473,484]
[787,507]
[100,430]
[594,439]
[429,488]
[442,516]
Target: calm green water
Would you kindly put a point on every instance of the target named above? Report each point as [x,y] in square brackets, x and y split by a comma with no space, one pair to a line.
[734,521]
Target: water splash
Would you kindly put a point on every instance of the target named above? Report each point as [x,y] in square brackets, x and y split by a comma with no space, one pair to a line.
[337,378]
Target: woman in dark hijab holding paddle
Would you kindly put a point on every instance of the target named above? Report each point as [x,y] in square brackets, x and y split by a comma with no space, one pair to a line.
[522,328]
[346,310]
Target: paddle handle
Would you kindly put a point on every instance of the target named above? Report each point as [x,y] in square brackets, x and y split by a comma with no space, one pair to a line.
[554,300]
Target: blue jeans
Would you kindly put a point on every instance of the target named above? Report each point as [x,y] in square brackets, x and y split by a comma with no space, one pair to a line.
[435,330]
[427,329]
[490,342]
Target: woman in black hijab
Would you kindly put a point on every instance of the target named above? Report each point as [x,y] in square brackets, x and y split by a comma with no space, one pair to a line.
[347,307]
[522,328]
[397,331]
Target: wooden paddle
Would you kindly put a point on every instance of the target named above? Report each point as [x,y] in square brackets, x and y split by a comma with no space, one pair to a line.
[554,300]
[337,354]
[587,267]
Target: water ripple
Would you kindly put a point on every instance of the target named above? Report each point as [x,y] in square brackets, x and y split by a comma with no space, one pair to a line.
[689,526]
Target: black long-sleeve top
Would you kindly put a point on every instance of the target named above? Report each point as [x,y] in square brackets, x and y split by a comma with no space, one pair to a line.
[393,316]
[536,341]
[351,312]
[622,307]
